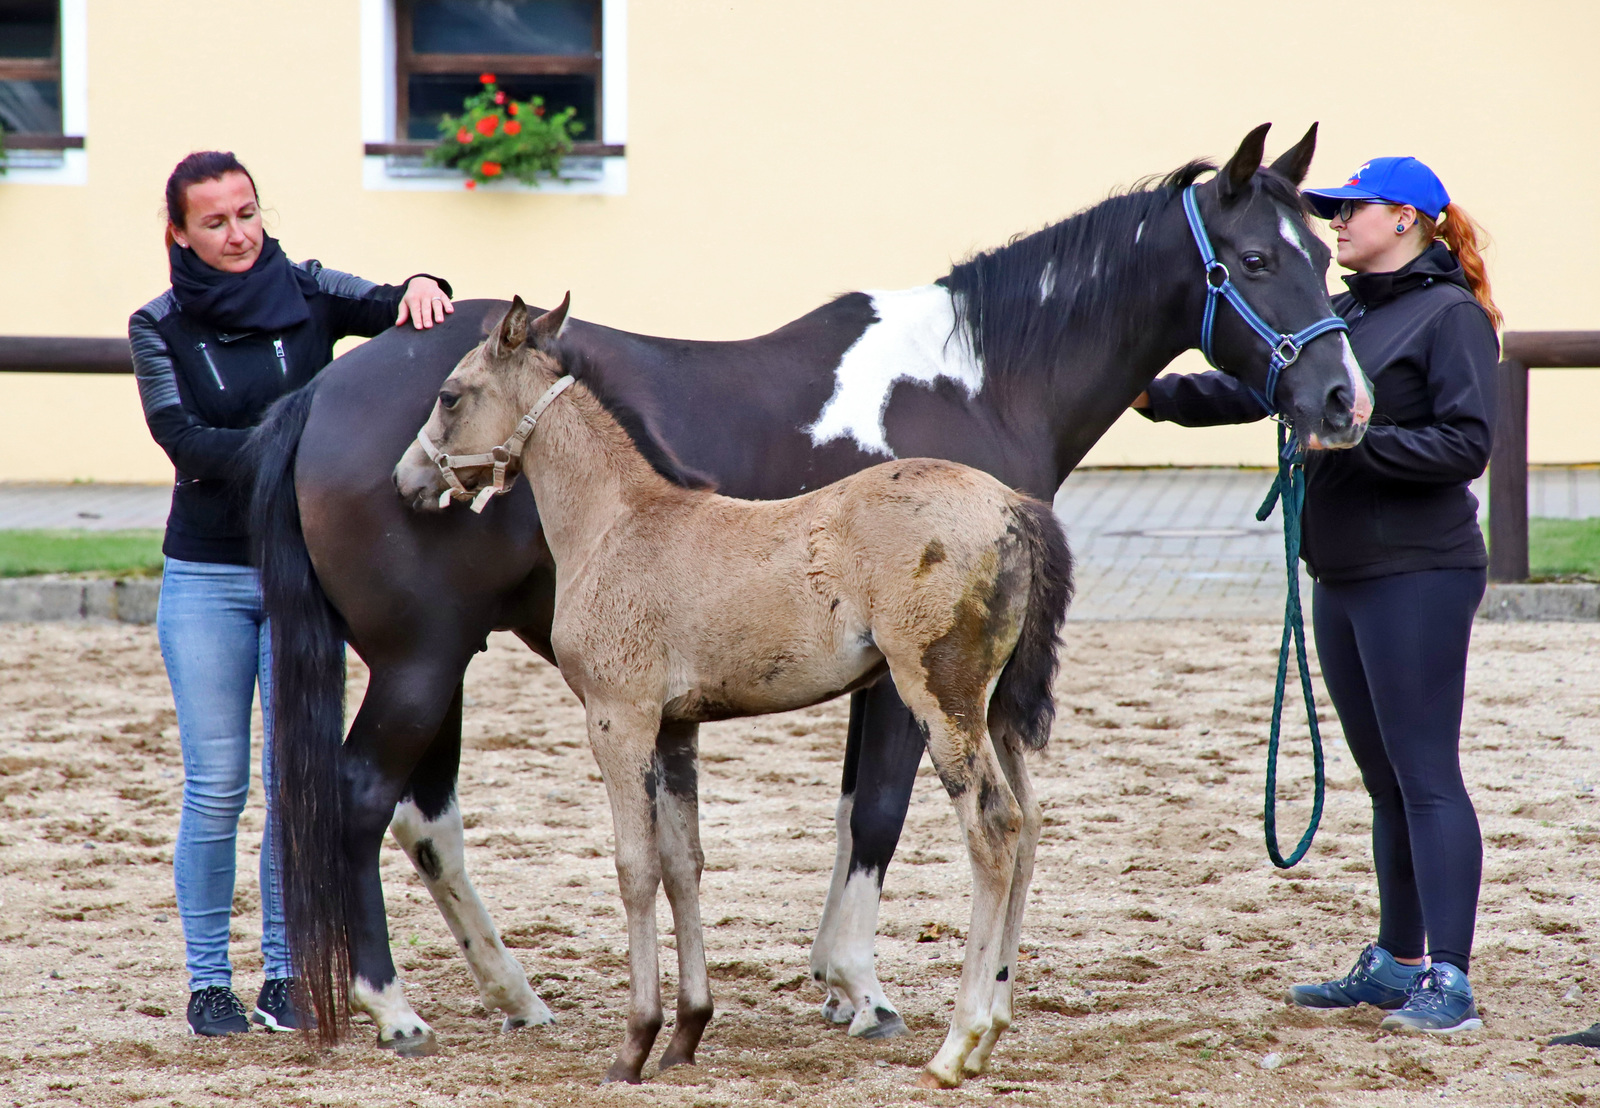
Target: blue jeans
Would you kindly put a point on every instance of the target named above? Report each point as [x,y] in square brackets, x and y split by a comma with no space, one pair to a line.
[216,646]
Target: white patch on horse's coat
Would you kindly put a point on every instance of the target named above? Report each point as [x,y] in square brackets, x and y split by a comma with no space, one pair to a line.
[914,339]
[1291,235]
[1047,280]
[1362,405]
[1138,233]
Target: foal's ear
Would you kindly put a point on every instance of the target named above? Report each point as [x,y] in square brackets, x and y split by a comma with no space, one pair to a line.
[1235,176]
[512,332]
[1295,162]
[548,327]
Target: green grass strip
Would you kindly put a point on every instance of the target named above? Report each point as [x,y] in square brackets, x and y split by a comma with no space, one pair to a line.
[124,553]
[1564,548]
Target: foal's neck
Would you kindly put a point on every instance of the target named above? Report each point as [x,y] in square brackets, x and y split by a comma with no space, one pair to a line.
[584,470]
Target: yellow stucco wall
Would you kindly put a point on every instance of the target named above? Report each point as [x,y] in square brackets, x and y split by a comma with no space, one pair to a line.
[779,153]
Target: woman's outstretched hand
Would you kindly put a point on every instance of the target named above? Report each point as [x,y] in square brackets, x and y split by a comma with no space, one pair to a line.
[425,304]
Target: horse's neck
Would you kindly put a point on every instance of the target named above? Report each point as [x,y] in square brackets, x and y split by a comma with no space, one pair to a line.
[585,472]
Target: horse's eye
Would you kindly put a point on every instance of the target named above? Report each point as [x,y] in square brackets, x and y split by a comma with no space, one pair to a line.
[1254,262]
[448,400]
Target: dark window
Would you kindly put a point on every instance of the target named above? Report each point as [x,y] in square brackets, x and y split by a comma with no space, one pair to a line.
[546,48]
[30,67]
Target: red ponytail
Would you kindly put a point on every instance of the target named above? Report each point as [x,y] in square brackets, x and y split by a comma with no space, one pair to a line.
[1466,240]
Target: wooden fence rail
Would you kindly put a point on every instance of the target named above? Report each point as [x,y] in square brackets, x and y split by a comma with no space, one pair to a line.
[1508,468]
[1508,465]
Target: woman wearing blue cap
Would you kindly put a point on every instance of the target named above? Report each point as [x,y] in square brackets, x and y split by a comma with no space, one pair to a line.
[1390,535]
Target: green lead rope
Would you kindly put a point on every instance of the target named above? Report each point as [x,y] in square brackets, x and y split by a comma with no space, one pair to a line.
[1290,488]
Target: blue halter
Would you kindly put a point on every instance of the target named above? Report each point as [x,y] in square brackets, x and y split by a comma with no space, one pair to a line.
[1285,348]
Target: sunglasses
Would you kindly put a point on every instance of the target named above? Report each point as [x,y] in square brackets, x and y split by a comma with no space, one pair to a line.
[1349,208]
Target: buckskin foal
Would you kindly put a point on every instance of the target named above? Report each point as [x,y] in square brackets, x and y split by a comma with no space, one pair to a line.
[675,605]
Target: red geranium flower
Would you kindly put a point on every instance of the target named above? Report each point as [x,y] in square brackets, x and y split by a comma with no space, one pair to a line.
[471,184]
[486,78]
[538,111]
[487,124]
[511,108]
[500,97]
[513,127]
[463,136]
[490,169]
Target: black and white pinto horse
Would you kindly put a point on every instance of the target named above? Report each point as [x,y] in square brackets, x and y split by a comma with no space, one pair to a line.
[1016,362]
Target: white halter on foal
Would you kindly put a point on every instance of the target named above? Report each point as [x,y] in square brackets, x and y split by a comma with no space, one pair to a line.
[500,457]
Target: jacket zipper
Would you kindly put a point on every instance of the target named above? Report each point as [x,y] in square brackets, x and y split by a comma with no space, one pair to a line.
[212,366]
[283,359]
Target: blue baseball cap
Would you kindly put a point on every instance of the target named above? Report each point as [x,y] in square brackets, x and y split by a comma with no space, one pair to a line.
[1392,180]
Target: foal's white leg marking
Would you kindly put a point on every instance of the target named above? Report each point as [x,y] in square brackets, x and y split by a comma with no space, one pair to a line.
[1362,407]
[1291,235]
[837,1008]
[1012,761]
[914,339]
[436,848]
[399,1028]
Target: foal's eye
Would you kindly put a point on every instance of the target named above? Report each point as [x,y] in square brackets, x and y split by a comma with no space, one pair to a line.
[448,400]
[1254,262]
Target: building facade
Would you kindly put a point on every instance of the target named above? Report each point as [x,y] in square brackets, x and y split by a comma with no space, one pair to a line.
[745,160]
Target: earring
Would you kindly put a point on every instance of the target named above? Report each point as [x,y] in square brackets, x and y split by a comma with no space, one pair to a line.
[1399,228]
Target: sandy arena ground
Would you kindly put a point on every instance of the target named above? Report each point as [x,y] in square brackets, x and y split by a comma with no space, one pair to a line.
[1157,947]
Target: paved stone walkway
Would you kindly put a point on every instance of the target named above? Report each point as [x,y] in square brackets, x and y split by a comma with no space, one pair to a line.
[1150,543]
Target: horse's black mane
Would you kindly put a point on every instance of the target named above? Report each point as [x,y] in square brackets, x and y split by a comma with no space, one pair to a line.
[1085,267]
[584,368]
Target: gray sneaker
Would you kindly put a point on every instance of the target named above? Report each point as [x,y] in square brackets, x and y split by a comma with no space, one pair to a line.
[1376,979]
[1440,1004]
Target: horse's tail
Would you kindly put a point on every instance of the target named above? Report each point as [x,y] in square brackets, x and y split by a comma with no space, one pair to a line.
[1022,700]
[308,722]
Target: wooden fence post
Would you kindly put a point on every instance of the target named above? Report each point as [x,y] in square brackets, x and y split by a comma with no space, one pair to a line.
[1508,478]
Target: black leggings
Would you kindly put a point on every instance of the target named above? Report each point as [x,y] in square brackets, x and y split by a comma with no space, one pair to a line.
[1394,658]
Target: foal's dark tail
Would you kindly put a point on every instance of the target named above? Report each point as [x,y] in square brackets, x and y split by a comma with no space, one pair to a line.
[308,721]
[1022,700]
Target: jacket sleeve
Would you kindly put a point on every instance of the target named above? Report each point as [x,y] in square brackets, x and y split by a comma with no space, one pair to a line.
[1208,399]
[1461,381]
[359,306]
[196,449]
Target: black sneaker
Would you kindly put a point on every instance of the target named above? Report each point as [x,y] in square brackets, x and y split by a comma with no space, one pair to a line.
[275,1008]
[216,1011]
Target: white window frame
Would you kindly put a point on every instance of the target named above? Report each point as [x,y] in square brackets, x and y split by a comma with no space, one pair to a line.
[604,176]
[64,167]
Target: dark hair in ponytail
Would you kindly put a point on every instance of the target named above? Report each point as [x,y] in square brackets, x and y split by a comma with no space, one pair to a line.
[1466,240]
[202,165]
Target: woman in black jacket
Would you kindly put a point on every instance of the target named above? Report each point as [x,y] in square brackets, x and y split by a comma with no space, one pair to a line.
[1390,534]
[240,326]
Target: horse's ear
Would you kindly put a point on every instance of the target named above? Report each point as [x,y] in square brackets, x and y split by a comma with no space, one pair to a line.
[512,332]
[1235,176]
[548,327]
[1295,162]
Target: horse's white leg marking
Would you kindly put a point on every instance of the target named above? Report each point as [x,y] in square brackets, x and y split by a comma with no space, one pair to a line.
[436,848]
[837,1008]
[852,969]
[399,1028]
[1362,406]
[914,339]
[1012,762]
[1291,235]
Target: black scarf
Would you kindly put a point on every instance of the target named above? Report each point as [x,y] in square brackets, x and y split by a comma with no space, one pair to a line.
[269,296]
